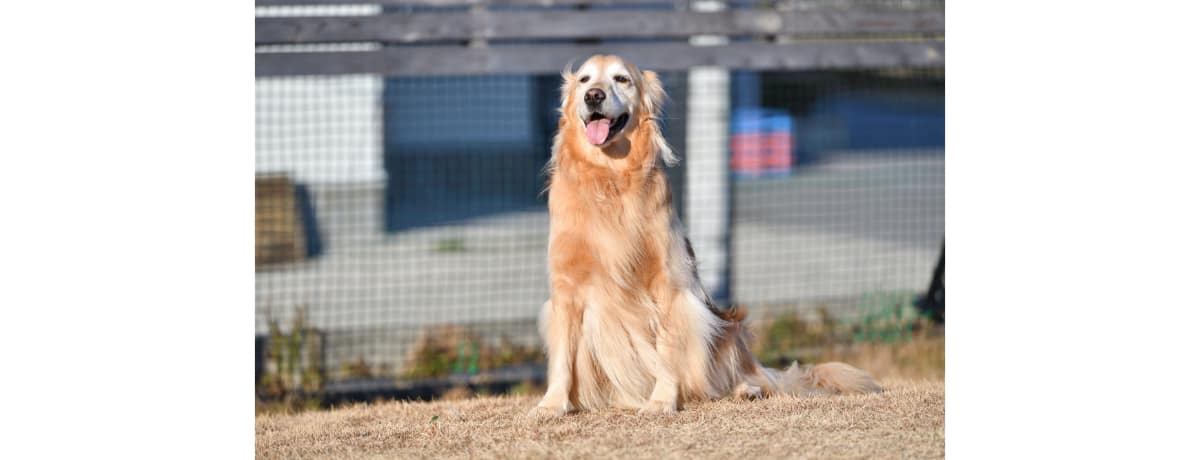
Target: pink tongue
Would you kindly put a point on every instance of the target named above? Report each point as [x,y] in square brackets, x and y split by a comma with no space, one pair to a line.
[597,131]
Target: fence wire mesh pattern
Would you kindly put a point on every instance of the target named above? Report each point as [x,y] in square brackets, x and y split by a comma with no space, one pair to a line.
[401,228]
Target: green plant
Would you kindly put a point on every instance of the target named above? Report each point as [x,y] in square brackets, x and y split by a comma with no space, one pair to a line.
[886,317]
[294,379]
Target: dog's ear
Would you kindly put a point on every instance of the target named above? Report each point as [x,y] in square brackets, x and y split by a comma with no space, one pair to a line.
[652,93]
[653,97]
[565,91]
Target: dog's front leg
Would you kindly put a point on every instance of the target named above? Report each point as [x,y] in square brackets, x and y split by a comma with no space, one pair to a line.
[561,324]
[664,399]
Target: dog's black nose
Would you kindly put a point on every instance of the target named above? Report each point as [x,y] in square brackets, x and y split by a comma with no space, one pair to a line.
[593,96]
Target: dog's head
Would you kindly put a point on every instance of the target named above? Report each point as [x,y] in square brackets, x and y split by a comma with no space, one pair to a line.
[606,99]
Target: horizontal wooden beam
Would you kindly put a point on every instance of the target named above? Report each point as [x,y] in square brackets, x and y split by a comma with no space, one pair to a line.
[550,59]
[550,24]
[464,2]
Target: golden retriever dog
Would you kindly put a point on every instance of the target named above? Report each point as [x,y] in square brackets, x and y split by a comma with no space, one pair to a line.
[628,324]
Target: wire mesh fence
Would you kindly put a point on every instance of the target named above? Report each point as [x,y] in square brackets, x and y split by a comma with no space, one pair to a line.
[401,230]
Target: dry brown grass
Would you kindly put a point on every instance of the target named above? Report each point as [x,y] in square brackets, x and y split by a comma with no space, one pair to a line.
[906,420]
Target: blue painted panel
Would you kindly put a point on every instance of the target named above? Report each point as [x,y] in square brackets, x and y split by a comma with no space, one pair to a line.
[490,114]
[882,121]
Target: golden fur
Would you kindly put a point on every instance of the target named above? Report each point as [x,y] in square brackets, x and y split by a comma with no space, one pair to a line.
[628,324]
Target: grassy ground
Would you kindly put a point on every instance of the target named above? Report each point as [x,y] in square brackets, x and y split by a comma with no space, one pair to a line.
[906,420]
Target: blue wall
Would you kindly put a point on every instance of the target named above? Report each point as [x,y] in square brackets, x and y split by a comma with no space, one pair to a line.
[885,121]
[463,146]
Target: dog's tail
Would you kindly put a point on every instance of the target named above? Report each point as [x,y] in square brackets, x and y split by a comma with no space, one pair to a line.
[809,379]
[825,378]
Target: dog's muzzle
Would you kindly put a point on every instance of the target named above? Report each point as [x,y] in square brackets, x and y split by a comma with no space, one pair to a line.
[601,129]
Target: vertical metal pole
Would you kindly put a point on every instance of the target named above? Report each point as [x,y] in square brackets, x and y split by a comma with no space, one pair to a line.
[708,197]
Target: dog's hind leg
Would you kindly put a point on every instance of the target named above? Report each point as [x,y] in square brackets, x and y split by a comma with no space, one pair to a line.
[747,391]
[682,341]
[664,399]
[561,322]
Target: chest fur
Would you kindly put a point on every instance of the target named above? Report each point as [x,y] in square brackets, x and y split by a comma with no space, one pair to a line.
[603,230]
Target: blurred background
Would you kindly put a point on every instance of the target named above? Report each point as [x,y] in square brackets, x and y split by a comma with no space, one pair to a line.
[400,228]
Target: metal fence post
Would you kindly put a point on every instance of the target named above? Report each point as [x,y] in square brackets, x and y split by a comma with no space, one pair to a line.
[708,166]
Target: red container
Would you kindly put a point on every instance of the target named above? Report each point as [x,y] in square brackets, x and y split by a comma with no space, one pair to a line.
[748,157]
[759,154]
[761,143]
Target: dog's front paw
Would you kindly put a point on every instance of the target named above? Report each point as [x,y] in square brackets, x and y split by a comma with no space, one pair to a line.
[541,411]
[658,407]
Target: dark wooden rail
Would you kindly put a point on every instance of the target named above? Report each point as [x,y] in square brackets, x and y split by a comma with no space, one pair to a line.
[433,43]
[551,24]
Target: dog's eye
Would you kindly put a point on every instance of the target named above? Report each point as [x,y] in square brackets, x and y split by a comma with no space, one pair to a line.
[585,79]
[621,79]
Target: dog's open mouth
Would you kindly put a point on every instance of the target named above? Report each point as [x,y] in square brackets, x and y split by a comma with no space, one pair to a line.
[601,129]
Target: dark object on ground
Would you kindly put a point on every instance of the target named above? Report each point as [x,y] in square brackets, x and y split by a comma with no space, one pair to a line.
[933,303]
